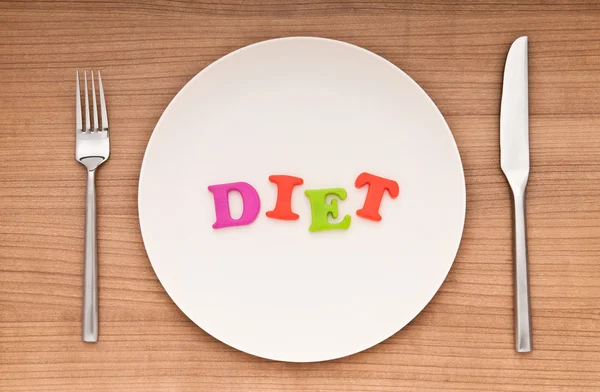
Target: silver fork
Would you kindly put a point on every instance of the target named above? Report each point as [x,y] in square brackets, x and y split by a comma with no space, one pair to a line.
[91,150]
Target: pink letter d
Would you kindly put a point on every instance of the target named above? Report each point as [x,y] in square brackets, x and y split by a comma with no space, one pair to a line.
[250,200]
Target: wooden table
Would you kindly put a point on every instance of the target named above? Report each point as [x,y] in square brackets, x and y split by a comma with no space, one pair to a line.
[462,341]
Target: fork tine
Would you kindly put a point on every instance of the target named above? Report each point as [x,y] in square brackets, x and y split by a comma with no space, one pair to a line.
[78,125]
[102,104]
[87,104]
[94,106]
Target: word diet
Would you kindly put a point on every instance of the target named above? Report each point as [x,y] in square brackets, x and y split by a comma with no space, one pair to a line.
[320,209]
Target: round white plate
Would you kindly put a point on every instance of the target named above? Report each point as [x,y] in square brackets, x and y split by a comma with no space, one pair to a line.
[325,111]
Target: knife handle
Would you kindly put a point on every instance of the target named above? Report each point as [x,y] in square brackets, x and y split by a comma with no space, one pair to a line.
[523,339]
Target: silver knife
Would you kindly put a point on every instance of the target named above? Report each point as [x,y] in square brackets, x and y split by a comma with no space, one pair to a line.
[514,159]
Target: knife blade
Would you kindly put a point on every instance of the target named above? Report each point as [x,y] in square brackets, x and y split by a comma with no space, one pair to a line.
[514,114]
[514,160]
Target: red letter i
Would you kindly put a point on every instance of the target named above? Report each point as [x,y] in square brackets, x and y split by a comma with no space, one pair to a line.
[283,207]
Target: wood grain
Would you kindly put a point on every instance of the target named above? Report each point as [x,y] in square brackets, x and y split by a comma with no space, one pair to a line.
[462,341]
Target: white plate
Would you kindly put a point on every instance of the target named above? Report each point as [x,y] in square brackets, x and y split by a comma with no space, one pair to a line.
[325,111]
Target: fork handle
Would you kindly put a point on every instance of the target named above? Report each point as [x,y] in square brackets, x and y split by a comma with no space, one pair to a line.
[90,266]
[522,307]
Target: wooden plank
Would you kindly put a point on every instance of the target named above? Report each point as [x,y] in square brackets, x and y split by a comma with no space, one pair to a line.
[147,51]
